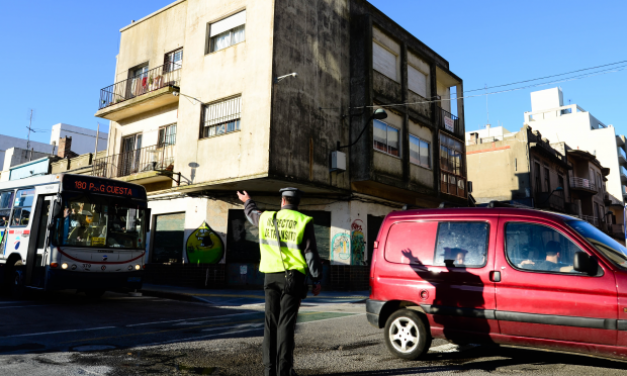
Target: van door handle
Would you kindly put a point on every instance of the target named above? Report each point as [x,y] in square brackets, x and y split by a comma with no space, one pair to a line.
[495,276]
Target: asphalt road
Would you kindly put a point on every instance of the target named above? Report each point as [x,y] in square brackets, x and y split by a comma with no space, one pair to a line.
[67,334]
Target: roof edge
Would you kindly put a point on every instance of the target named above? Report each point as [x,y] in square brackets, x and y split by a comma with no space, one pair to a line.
[177,2]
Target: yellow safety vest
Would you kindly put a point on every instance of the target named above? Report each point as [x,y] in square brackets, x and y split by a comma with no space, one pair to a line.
[291,229]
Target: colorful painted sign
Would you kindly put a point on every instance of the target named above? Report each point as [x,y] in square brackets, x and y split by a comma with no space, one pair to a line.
[204,246]
[341,248]
[358,242]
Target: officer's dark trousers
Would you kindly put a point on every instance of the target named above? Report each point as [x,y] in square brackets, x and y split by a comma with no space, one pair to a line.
[278,336]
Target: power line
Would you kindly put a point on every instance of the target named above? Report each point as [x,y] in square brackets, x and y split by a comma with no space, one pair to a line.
[574,78]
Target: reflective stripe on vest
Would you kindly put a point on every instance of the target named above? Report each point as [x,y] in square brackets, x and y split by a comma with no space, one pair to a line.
[291,229]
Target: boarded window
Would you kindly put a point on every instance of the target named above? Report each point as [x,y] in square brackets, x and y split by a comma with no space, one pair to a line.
[411,243]
[168,241]
[384,61]
[417,81]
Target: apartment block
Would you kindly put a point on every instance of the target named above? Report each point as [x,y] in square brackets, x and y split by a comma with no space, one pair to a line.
[215,96]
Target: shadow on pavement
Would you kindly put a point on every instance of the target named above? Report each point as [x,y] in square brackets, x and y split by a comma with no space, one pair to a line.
[519,360]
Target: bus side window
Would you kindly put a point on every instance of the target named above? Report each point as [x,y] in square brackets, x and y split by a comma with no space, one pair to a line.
[6,202]
[22,207]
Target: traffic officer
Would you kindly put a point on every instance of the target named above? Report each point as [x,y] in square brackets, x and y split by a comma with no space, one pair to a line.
[298,253]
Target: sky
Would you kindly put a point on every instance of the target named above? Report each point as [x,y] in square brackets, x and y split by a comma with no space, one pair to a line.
[61,53]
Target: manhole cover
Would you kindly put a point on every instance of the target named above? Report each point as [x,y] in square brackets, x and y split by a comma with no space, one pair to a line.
[92,348]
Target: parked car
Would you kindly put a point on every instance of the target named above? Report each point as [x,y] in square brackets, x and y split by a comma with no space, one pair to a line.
[506,276]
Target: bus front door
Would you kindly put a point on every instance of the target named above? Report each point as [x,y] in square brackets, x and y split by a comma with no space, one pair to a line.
[38,244]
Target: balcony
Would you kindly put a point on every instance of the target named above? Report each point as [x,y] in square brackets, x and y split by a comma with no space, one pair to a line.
[449,122]
[623,174]
[146,165]
[622,157]
[137,95]
[624,190]
[591,219]
[555,201]
[583,185]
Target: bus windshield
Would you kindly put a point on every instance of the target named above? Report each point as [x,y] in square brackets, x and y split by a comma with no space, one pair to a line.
[613,250]
[92,221]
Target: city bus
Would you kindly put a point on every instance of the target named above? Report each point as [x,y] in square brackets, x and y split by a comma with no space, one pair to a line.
[65,231]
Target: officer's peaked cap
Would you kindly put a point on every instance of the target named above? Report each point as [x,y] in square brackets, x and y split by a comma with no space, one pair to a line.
[291,192]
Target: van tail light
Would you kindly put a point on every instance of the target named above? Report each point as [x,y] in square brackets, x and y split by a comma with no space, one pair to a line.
[376,244]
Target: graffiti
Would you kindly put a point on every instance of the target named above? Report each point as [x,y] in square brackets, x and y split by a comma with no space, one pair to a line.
[340,248]
[204,246]
[358,242]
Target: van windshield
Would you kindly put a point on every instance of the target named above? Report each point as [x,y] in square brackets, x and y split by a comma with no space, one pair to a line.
[613,250]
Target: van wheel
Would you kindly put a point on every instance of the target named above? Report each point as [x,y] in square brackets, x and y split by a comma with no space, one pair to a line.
[17,280]
[406,335]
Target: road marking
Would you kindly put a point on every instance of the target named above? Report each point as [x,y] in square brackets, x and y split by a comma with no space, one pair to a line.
[58,332]
[223,317]
[178,329]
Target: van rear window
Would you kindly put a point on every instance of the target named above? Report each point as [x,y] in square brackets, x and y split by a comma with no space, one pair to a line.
[462,244]
[411,243]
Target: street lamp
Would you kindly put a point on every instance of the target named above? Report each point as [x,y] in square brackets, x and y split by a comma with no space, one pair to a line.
[281,78]
[378,114]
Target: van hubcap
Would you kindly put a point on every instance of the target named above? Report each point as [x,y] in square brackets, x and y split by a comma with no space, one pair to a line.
[404,335]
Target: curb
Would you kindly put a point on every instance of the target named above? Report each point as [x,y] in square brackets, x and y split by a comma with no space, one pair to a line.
[173,296]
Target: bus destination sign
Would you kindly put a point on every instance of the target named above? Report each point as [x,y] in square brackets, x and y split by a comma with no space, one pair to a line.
[102,186]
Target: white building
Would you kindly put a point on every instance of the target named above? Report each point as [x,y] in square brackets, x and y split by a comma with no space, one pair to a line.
[83,139]
[8,142]
[488,134]
[580,130]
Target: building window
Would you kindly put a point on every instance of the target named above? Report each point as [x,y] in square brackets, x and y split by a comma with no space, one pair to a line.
[560,183]
[167,135]
[173,60]
[227,32]
[221,117]
[547,180]
[417,81]
[453,179]
[386,138]
[419,151]
[538,179]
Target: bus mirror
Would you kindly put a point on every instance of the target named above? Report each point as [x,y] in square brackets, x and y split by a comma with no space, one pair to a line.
[58,210]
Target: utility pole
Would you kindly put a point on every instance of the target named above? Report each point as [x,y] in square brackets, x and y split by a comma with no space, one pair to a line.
[30,123]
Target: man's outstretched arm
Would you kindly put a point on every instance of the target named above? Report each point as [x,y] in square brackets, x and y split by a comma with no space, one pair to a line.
[250,208]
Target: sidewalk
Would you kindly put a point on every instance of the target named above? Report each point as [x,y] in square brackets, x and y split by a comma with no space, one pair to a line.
[244,297]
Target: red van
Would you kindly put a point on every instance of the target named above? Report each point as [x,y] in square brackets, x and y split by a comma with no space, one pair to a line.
[506,276]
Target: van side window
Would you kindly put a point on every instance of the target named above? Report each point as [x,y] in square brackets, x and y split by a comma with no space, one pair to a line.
[462,244]
[411,243]
[539,248]
[22,207]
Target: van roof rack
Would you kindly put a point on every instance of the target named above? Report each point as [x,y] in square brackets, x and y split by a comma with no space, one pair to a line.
[446,204]
[503,204]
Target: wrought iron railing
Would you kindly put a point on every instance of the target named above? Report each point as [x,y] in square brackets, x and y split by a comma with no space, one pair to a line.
[591,219]
[153,79]
[449,122]
[583,184]
[547,200]
[150,158]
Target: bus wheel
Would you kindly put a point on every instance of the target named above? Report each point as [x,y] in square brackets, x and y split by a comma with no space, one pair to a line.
[17,280]
[94,294]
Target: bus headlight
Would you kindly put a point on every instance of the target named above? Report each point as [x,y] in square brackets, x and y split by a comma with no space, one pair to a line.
[64,266]
[137,267]
[130,267]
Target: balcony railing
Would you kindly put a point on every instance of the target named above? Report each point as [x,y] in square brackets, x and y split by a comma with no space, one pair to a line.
[154,79]
[622,157]
[585,184]
[150,158]
[449,122]
[591,219]
[624,190]
[546,200]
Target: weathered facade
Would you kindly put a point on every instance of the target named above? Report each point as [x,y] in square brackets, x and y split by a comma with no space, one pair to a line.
[201,108]
[525,168]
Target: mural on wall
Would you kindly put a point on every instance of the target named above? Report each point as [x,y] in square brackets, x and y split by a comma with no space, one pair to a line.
[204,246]
[341,248]
[358,242]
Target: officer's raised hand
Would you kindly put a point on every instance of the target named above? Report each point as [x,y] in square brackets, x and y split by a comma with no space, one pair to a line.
[243,196]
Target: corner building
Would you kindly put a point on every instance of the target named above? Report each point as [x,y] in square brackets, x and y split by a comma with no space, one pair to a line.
[199,109]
